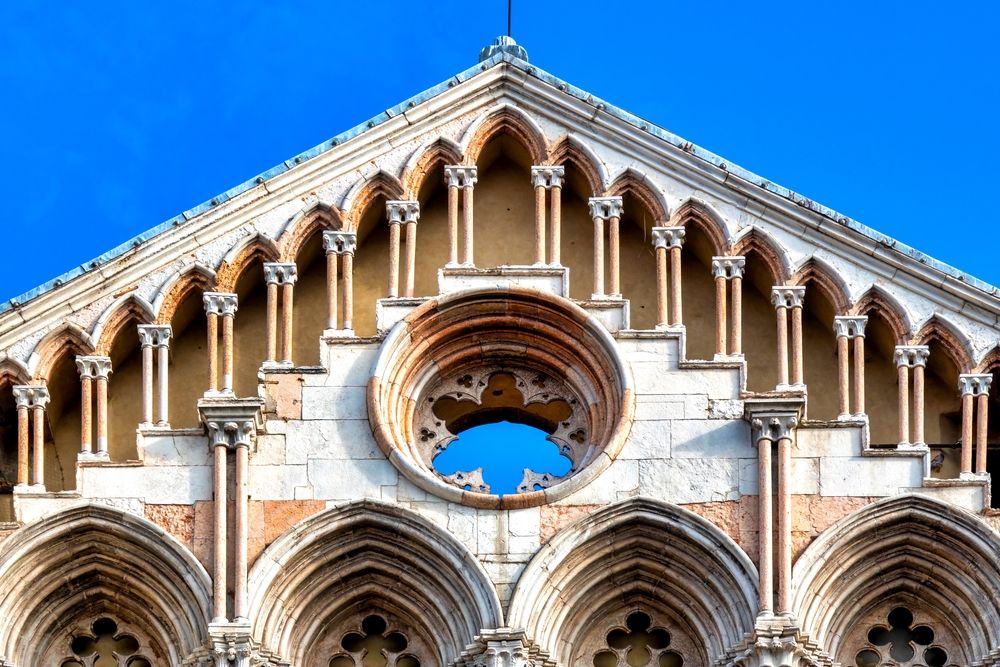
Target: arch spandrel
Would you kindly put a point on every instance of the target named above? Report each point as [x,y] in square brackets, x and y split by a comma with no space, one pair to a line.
[63,572]
[325,574]
[908,550]
[639,554]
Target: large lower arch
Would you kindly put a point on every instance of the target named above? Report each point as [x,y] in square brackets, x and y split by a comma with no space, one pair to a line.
[68,570]
[640,556]
[939,562]
[310,587]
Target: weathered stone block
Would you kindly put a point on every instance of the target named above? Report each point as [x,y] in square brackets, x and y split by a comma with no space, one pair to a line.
[690,480]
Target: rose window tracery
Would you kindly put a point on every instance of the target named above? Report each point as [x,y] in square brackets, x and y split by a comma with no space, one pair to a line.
[638,644]
[901,643]
[374,646]
[105,647]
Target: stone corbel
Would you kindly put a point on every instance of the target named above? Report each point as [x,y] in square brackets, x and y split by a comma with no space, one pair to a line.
[503,647]
[776,642]
[232,645]
[231,421]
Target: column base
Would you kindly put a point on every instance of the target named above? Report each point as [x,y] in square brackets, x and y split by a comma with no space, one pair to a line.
[974,476]
[219,393]
[912,447]
[790,387]
[722,356]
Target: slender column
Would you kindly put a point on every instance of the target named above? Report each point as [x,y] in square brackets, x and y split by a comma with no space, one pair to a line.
[843,373]
[907,357]
[147,378]
[163,374]
[846,328]
[219,554]
[220,305]
[331,285]
[102,372]
[155,337]
[789,298]
[402,213]
[667,241]
[280,276]
[538,181]
[340,246]
[242,531]
[606,209]
[728,268]
[982,423]
[271,326]
[348,289]
[22,397]
[968,403]
[675,278]
[975,390]
[84,366]
[918,398]
[39,399]
[784,565]
[464,177]
[765,525]
[614,256]
[720,313]
[903,405]
[736,321]
[859,367]
[451,179]
[660,248]
[542,179]
[555,229]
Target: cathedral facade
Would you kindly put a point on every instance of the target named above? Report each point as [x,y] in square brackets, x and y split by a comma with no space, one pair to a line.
[222,441]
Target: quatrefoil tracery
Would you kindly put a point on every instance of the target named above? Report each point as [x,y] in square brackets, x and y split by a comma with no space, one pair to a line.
[105,647]
[902,641]
[374,647]
[638,645]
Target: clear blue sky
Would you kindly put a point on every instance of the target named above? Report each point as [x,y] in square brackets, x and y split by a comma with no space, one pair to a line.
[118,115]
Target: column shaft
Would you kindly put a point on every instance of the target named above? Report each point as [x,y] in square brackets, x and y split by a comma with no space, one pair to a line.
[411,257]
[720,314]
[844,374]
[287,304]
[331,290]
[859,375]
[784,525]
[968,401]
[598,256]
[918,405]
[765,525]
[147,385]
[467,209]
[736,321]
[86,405]
[452,224]
[903,380]
[102,414]
[272,321]
[23,457]
[393,259]
[241,532]
[163,375]
[662,317]
[213,352]
[539,224]
[614,255]
[227,353]
[348,287]
[782,315]
[797,370]
[675,286]
[982,426]
[555,229]
[219,555]
[38,461]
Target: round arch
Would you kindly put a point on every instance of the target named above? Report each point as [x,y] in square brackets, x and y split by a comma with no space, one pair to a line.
[647,553]
[369,555]
[93,560]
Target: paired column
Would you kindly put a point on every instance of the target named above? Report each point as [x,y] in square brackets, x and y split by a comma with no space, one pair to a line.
[340,248]
[975,390]
[548,179]
[155,337]
[460,177]
[31,401]
[911,357]
[787,301]
[231,426]
[850,328]
[728,269]
[606,210]
[773,426]
[279,276]
[220,306]
[94,373]
[402,213]
[667,242]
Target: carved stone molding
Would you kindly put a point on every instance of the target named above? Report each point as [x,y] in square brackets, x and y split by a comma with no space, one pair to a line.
[668,237]
[280,273]
[402,212]
[728,266]
[503,647]
[912,355]
[788,296]
[461,176]
[606,207]
[231,421]
[773,418]
[340,243]
[850,326]
[154,335]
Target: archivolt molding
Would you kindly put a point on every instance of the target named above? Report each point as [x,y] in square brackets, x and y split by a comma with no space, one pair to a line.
[320,578]
[71,568]
[698,214]
[504,119]
[13,371]
[69,338]
[176,288]
[127,308]
[989,362]
[826,278]
[955,343]
[643,189]
[364,192]
[250,249]
[888,308]
[571,149]
[907,549]
[441,150]
[640,554]
[754,239]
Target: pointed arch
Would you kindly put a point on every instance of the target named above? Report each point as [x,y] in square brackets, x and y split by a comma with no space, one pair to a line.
[569,148]
[755,239]
[13,371]
[127,308]
[989,362]
[69,338]
[504,119]
[421,163]
[649,555]
[827,279]
[888,308]
[364,192]
[303,225]
[177,287]
[950,337]
[907,548]
[255,248]
[643,189]
[698,214]
[369,555]
[93,560]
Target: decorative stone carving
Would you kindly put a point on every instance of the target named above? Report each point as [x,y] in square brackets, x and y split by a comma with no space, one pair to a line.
[668,237]
[220,303]
[103,644]
[460,176]
[728,266]
[849,326]
[912,355]
[340,243]
[154,335]
[402,211]
[974,384]
[230,421]
[606,207]
[547,177]
[897,639]
[788,296]
[94,367]
[280,273]
[31,396]
[503,647]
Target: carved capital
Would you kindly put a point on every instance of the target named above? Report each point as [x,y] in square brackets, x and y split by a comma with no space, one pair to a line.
[340,243]
[974,383]
[402,211]
[94,367]
[460,176]
[606,207]
[154,335]
[280,273]
[547,177]
[728,266]
[850,326]
[220,303]
[668,237]
[230,422]
[788,296]
[31,396]
[503,647]
[773,418]
[912,355]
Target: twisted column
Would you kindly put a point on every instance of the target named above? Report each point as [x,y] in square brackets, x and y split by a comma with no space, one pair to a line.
[340,248]
[728,269]
[606,209]
[789,298]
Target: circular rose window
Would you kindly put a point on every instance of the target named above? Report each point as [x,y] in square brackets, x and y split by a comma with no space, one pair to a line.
[513,356]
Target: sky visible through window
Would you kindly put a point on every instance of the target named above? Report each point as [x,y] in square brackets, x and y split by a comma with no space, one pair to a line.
[503,450]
